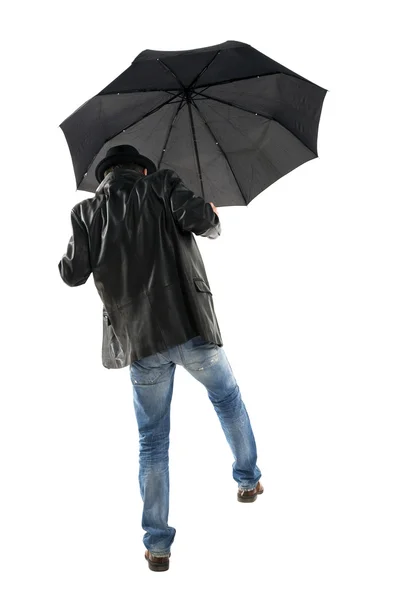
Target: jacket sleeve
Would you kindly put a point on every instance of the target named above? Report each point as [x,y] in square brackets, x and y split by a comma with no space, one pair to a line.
[75,265]
[191,212]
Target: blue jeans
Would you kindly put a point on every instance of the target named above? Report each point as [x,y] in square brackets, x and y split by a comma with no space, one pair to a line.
[152,378]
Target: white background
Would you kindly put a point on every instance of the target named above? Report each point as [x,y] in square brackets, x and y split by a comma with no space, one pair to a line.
[306,289]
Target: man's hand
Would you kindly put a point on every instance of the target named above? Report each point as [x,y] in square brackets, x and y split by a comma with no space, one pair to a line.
[214,208]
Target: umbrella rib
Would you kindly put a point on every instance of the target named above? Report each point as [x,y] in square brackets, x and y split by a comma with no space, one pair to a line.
[253,113]
[222,150]
[127,127]
[171,71]
[205,69]
[224,81]
[235,106]
[141,90]
[149,113]
[169,131]
[195,146]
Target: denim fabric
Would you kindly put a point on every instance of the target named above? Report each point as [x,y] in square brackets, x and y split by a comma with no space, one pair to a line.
[153,379]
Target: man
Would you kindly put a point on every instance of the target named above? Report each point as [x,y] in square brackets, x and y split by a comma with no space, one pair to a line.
[136,237]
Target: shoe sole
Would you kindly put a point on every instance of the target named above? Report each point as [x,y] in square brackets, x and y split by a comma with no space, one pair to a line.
[156,566]
[248,498]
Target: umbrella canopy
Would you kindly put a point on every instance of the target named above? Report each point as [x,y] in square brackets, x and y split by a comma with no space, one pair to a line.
[227,119]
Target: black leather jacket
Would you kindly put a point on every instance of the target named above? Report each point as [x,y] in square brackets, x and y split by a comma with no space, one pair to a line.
[136,237]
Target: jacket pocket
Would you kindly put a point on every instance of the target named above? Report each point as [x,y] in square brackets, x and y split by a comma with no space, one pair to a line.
[201,285]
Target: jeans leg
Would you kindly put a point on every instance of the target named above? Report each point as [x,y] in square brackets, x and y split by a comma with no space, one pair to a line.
[153,379]
[208,363]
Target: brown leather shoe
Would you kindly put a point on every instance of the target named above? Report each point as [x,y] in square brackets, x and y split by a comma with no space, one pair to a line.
[250,495]
[157,563]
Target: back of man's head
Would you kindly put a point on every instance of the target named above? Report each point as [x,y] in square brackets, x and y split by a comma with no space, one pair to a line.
[133,166]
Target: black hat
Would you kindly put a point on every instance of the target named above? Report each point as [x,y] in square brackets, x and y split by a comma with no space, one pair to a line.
[123,154]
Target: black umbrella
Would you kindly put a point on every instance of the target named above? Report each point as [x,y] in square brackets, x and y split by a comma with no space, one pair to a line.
[228,119]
